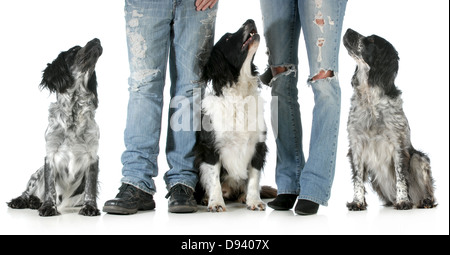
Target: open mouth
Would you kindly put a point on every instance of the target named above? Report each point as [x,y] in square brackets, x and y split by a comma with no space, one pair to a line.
[250,38]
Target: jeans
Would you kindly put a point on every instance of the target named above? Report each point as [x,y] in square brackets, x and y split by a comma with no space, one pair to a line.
[321,21]
[158,31]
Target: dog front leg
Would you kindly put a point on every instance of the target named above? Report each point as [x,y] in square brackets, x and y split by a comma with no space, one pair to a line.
[210,179]
[402,199]
[359,200]
[90,192]
[48,208]
[253,199]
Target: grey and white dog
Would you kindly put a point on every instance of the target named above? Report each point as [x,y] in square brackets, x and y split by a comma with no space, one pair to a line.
[70,172]
[379,133]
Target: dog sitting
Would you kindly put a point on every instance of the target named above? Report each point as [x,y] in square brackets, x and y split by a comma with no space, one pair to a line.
[379,133]
[230,150]
[70,171]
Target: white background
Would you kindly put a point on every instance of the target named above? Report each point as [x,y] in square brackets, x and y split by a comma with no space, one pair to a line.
[34,32]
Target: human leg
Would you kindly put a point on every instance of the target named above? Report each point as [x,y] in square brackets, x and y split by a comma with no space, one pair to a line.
[192,39]
[148,39]
[282,24]
[322,26]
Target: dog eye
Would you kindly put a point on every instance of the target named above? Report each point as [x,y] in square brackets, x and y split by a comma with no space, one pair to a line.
[371,40]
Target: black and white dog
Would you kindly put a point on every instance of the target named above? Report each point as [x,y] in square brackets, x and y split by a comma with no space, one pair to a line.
[230,150]
[379,133]
[69,175]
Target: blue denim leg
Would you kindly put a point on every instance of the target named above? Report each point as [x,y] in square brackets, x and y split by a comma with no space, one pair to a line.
[282,32]
[193,34]
[322,24]
[154,29]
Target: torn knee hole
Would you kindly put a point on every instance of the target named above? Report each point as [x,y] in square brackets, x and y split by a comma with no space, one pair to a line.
[322,75]
[279,69]
[274,72]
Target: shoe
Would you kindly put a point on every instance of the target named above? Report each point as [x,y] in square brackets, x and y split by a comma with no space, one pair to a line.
[306,207]
[283,202]
[181,199]
[129,200]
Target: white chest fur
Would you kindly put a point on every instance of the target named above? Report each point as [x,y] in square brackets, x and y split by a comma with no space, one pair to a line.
[237,118]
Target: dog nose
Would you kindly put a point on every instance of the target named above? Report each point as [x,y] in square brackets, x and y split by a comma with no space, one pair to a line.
[95,40]
[351,34]
[248,22]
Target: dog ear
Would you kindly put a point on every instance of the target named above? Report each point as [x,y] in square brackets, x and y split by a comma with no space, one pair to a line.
[57,77]
[92,87]
[218,71]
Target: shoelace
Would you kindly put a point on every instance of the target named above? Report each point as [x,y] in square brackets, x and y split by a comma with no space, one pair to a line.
[179,188]
[126,188]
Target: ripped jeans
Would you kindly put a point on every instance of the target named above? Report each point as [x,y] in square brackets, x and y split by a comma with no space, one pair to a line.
[158,31]
[321,21]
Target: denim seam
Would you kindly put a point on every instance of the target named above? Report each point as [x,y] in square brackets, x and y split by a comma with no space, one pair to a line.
[288,192]
[137,186]
[169,186]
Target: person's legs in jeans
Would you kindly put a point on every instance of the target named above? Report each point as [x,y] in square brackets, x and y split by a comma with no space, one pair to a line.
[148,40]
[192,39]
[152,31]
[282,31]
[148,37]
[322,25]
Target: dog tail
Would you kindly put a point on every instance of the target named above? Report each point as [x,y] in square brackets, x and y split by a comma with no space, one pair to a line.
[421,180]
[268,192]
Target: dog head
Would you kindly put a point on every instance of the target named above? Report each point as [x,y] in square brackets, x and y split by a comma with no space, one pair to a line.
[229,55]
[75,63]
[375,54]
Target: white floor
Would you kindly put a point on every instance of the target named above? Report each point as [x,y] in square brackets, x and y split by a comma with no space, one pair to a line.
[334,219]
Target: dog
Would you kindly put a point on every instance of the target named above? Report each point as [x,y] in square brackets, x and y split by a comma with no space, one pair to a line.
[378,131]
[70,172]
[230,150]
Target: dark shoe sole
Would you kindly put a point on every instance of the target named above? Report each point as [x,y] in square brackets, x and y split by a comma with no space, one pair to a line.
[305,213]
[182,209]
[279,208]
[114,209]
[118,210]
[306,207]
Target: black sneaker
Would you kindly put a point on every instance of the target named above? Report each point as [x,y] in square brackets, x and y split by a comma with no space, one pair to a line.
[129,200]
[181,199]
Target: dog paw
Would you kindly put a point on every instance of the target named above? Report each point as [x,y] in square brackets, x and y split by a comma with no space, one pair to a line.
[256,206]
[255,203]
[18,203]
[403,205]
[89,210]
[48,209]
[34,203]
[216,207]
[357,206]
[427,203]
